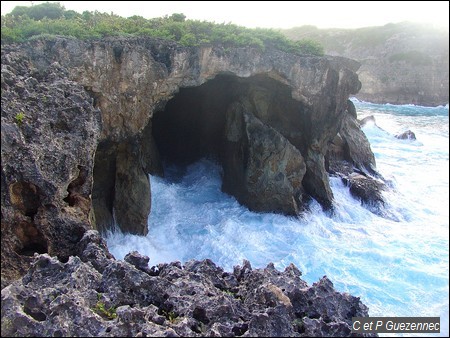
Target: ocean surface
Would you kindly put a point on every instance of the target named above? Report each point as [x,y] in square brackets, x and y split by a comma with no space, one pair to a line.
[397,264]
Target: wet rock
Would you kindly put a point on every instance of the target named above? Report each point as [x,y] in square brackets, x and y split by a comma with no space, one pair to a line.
[367,189]
[407,135]
[357,147]
[350,157]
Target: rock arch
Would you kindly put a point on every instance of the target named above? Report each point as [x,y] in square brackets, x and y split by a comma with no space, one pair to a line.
[94,109]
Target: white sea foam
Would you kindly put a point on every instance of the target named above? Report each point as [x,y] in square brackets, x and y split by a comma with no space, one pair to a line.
[398,265]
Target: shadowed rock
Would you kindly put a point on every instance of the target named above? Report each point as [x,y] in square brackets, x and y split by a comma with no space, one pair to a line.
[262,168]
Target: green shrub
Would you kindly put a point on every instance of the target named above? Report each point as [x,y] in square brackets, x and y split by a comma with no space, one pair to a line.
[19,118]
[52,18]
[37,12]
[101,309]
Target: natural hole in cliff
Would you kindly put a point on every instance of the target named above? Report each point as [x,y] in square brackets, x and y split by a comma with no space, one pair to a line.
[25,197]
[31,308]
[194,124]
[31,240]
[75,196]
[245,125]
[31,248]
[191,125]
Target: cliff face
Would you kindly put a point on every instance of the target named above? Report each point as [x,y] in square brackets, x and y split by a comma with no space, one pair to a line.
[400,63]
[84,123]
[50,132]
[99,116]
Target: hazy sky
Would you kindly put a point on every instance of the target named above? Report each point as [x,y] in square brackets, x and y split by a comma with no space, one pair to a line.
[274,14]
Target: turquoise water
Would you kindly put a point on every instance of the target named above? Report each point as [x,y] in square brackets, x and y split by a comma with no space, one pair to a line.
[398,264]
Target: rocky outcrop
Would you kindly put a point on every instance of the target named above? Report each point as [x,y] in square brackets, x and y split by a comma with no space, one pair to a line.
[357,149]
[368,189]
[262,168]
[84,122]
[100,115]
[350,157]
[124,299]
[50,130]
[367,120]
[303,99]
[406,135]
[402,63]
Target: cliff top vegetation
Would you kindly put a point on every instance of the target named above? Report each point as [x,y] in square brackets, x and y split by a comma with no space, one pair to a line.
[52,19]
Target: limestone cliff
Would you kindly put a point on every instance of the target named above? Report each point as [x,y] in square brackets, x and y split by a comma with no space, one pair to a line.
[401,63]
[85,122]
[50,131]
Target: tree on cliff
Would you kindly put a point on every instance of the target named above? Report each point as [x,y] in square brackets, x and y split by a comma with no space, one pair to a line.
[37,12]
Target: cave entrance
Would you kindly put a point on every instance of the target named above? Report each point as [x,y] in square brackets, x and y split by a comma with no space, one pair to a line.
[191,125]
[237,122]
[252,127]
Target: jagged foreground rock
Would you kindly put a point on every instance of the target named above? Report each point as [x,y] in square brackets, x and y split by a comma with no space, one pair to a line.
[95,295]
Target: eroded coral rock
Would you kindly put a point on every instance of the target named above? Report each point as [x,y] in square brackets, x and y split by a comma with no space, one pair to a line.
[196,299]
